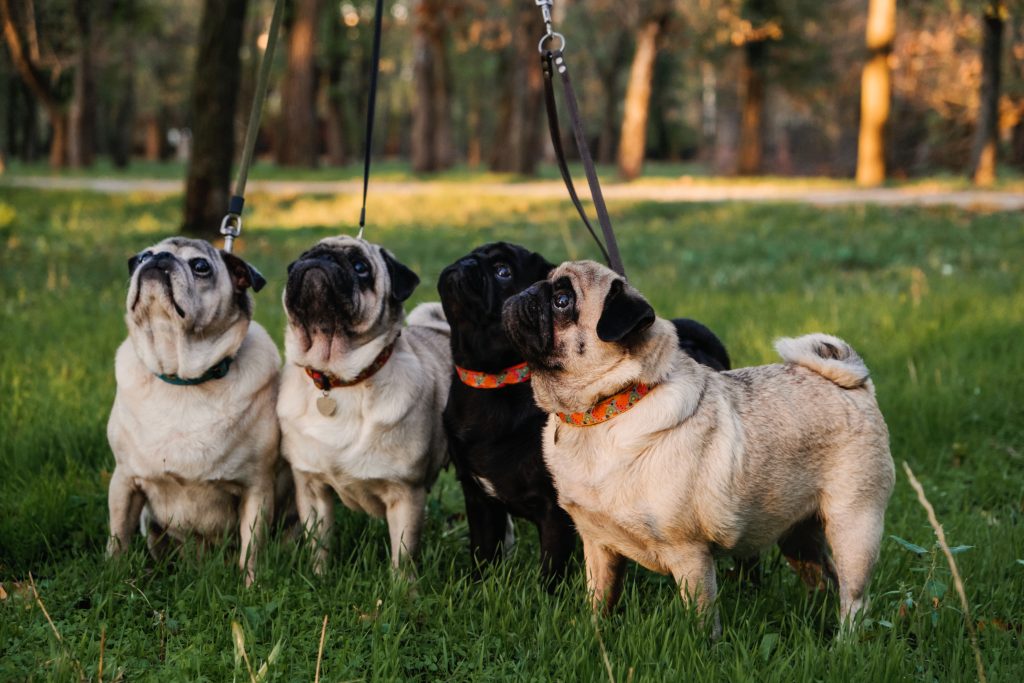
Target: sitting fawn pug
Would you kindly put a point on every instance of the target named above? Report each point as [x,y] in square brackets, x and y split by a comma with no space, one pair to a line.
[361,394]
[661,460]
[492,422]
[193,427]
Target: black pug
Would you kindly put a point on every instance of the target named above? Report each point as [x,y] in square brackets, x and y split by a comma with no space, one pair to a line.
[493,426]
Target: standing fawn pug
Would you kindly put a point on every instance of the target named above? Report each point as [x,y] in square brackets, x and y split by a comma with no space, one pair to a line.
[361,394]
[492,422]
[193,427]
[660,460]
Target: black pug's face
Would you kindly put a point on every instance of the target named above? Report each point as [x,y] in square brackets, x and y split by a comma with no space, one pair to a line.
[474,288]
[473,291]
[345,289]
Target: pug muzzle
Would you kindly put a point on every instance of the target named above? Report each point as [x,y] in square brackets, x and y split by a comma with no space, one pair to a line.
[529,325]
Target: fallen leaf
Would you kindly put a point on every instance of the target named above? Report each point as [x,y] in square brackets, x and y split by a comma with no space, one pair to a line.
[3,593]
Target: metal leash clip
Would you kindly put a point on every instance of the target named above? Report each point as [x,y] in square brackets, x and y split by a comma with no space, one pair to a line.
[230,227]
[545,8]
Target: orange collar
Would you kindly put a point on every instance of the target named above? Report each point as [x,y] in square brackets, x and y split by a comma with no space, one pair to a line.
[608,408]
[325,382]
[517,374]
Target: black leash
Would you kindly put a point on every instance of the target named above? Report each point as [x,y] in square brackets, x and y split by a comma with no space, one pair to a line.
[378,20]
[231,226]
[552,60]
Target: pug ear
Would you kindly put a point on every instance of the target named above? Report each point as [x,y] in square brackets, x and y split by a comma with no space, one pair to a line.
[540,264]
[242,274]
[403,280]
[625,312]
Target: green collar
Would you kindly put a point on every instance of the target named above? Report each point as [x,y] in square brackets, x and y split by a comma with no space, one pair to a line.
[216,372]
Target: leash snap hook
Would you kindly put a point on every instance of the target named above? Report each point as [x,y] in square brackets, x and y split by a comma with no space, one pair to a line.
[230,227]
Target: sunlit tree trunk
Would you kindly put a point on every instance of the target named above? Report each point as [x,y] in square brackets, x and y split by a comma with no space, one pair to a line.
[431,144]
[214,98]
[82,117]
[30,74]
[986,137]
[633,136]
[876,92]
[299,133]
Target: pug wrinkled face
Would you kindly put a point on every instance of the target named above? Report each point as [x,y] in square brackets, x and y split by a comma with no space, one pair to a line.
[584,327]
[345,288]
[474,288]
[190,285]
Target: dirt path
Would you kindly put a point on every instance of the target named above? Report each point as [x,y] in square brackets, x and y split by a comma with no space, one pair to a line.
[676,192]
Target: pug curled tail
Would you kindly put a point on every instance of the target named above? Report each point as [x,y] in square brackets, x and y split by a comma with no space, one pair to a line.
[829,356]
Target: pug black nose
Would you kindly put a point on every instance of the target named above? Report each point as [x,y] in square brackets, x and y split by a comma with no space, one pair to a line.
[162,259]
[468,262]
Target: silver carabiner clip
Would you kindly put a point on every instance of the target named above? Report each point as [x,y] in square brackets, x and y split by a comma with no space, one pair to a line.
[230,227]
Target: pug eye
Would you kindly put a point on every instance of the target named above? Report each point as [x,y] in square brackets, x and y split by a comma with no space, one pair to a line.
[502,271]
[361,267]
[562,300]
[201,267]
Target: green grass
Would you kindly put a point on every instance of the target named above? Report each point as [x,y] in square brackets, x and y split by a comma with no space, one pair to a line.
[932,298]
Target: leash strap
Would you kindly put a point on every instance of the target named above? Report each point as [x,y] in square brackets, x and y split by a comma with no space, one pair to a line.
[371,108]
[551,61]
[231,226]
[547,65]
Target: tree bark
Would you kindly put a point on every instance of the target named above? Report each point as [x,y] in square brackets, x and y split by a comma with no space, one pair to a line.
[336,125]
[431,143]
[299,141]
[214,98]
[516,147]
[986,136]
[82,117]
[29,72]
[876,92]
[752,110]
[633,137]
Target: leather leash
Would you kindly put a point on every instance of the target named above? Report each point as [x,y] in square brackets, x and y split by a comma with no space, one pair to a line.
[231,226]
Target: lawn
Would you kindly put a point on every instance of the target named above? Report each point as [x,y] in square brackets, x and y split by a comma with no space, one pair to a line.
[932,298]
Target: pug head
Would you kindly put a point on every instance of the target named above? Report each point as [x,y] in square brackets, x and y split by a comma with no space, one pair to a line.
[344,295]
[473,291]
[188,305]
[587,334]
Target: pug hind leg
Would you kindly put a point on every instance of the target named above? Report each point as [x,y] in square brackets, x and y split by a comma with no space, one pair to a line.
[604,575]
[125,503]
[315,504]
[405,513]
[854,533]
[694,571]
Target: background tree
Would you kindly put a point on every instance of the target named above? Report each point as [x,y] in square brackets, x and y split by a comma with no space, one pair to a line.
[653,18]
[82,115]
[876,92]
[214,99]
[431,141]
[986,141]
[298,144]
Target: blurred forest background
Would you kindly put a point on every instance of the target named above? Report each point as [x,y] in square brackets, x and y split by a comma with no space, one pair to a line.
[872,89]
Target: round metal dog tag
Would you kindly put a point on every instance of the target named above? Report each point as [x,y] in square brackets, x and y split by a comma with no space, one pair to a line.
[326,405]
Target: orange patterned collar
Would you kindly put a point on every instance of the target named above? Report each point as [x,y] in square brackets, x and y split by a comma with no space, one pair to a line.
[517,374]
[325,382]
[608,408]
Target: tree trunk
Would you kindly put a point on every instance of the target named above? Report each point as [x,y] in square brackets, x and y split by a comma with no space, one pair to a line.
[876,92]
[986,137]
[82,117]
[29,72]
[752,109]
[633,138]
[609,71]
[298,143]
[517,145]
[336,125]
[431,142]
[214,98]
[122,136]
